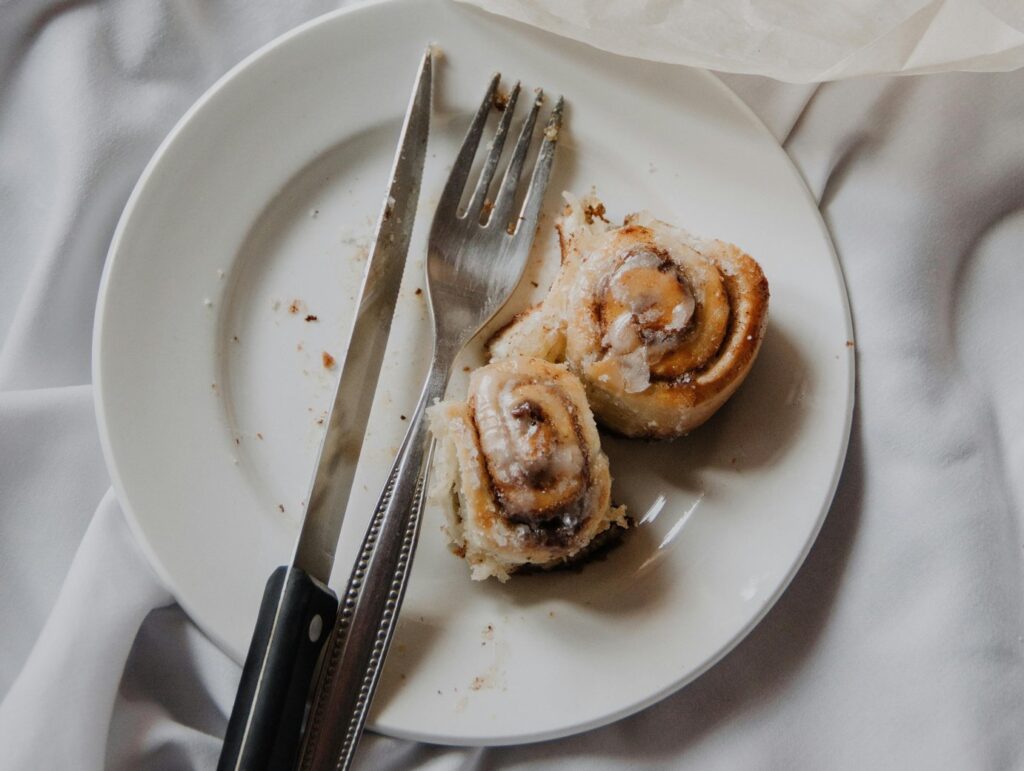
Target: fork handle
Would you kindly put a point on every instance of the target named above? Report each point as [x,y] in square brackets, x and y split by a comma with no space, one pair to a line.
[369,608]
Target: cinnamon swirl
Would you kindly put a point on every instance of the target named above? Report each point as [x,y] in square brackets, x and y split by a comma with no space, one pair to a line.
[660,325]
[520,471]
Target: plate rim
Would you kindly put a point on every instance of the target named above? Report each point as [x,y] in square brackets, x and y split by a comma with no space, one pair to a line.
[165,576]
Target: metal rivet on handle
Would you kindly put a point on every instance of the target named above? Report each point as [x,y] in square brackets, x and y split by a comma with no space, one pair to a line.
[316,626]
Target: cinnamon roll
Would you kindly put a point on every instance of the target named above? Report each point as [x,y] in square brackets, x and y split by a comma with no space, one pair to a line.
[519,470]
[660,325]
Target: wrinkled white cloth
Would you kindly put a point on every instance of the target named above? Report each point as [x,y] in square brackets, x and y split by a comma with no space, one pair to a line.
[799,41]
[900,644]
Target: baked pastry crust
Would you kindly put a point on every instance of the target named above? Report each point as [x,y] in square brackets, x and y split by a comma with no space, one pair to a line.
[661,326]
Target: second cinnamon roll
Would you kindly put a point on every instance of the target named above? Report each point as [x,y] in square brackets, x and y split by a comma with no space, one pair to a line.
[520,471]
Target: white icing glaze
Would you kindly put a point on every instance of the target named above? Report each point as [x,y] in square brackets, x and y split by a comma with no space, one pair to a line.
[622,334]
[682,313]
[517,449]
[636,373]
[625,348]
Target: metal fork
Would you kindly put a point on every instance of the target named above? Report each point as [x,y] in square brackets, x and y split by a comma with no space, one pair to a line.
[475,259]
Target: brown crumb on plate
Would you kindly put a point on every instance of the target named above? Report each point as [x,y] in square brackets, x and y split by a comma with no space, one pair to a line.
[327,359]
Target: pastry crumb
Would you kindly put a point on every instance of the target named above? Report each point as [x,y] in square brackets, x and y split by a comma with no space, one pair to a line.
[327,359]
[311,317]
[590,211]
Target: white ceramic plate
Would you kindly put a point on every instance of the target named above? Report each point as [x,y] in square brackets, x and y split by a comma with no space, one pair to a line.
[209,390]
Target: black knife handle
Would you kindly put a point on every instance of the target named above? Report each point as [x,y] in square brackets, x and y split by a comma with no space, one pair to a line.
[266,720]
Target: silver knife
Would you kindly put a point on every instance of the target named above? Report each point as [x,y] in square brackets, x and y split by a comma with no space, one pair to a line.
[298,608]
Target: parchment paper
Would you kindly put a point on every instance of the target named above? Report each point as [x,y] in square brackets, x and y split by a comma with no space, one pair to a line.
[800,41]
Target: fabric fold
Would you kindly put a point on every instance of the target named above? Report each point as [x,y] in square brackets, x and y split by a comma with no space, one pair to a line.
[81,652]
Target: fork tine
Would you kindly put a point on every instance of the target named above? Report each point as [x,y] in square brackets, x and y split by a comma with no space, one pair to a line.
[541,173]
[497,144]
[452,194]
[507,195]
